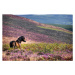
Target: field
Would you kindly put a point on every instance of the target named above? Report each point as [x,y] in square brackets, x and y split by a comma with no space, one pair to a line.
[43,42]
[39,52]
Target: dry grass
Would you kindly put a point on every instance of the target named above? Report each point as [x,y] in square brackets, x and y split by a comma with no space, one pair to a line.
[6,40]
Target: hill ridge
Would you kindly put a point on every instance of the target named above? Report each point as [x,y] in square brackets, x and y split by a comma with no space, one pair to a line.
[39,24]
[31,29]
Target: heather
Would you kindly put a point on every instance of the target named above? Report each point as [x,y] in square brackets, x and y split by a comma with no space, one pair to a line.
[33,30]
[39,52]
[43,42]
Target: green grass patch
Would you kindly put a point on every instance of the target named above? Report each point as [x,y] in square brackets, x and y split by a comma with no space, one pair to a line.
[47,47]
[5,47]
[68,27]
[53,29]
[43,47]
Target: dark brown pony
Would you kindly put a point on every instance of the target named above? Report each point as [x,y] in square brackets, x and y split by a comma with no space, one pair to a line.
[17,43]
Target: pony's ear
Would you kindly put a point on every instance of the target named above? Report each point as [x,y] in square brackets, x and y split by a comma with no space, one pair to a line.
[23,37]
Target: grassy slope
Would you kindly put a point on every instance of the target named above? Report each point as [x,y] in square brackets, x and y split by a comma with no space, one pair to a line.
[32,26]
[68,27]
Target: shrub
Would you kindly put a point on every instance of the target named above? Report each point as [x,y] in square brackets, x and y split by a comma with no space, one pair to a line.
[5,47]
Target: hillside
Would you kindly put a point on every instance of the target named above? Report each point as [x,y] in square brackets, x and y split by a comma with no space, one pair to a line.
[68,27]
[64,19]
[15,26]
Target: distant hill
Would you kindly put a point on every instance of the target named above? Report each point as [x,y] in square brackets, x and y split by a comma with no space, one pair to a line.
[62,19]
[15,26]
